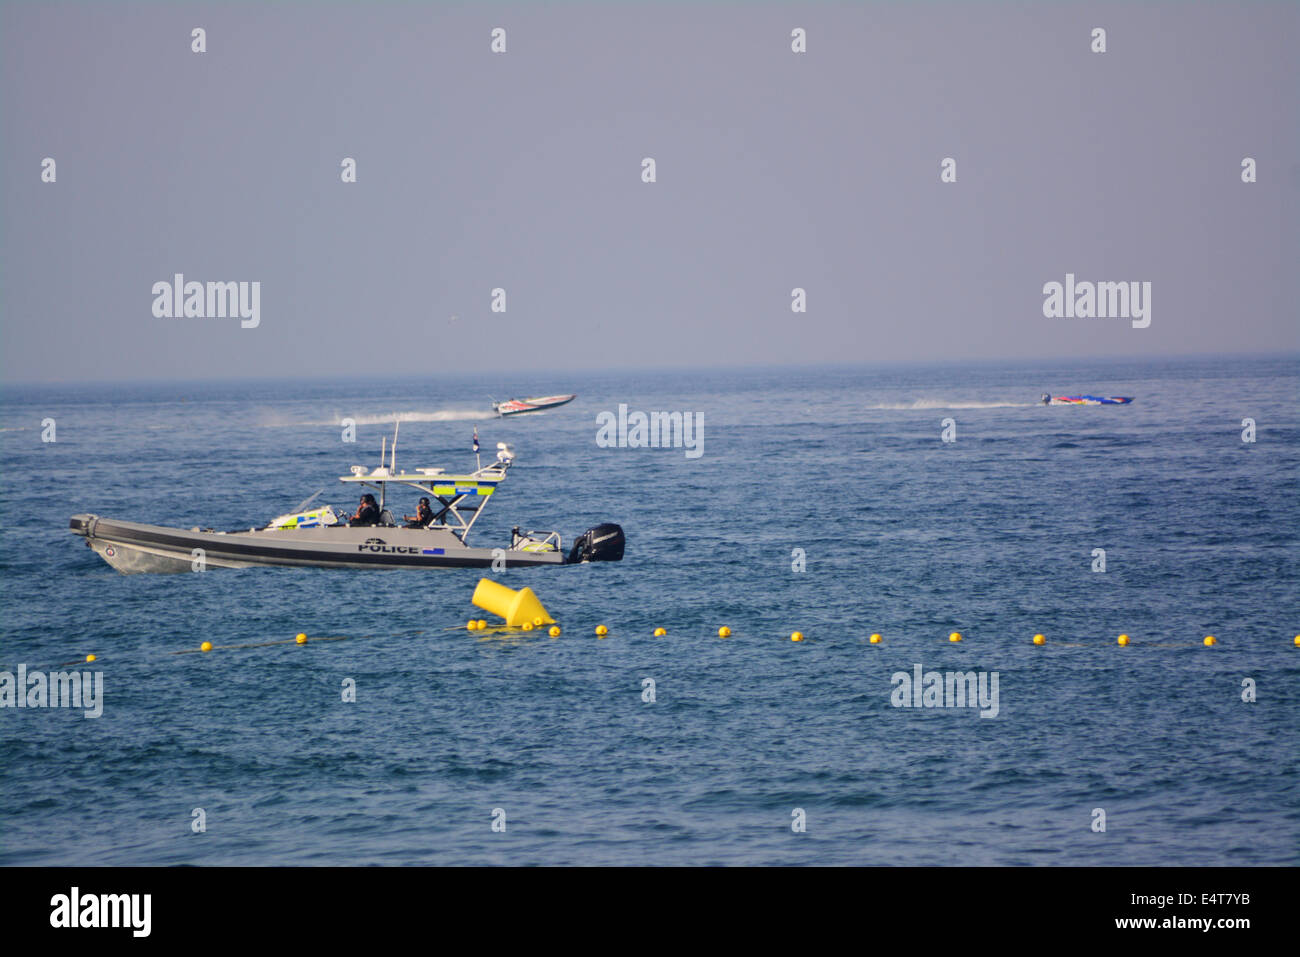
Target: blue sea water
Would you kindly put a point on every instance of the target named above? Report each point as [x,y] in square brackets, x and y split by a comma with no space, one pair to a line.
[991,535]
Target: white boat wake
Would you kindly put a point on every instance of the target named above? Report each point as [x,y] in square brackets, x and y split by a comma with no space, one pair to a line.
[923,404]
[277,420]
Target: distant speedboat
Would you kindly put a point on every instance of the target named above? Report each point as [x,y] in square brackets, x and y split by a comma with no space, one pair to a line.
[535,404]
[1086,399]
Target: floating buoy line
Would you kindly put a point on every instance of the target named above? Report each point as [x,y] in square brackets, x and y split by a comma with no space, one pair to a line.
[300,639]
[602,631]
[523,612]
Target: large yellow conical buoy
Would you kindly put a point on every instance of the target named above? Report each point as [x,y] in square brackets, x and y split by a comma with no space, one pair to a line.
[516,607]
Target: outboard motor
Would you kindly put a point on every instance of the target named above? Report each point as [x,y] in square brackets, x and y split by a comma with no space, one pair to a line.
[604,543]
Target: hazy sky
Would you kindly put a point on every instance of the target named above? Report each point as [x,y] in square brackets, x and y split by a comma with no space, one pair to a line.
[523,171]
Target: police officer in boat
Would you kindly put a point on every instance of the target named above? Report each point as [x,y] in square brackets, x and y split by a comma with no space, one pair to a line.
[422,517]
[367,512]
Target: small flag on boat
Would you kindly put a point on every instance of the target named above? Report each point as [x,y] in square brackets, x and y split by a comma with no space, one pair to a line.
[476,438]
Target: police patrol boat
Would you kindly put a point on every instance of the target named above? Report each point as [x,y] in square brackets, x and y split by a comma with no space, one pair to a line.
[326,538]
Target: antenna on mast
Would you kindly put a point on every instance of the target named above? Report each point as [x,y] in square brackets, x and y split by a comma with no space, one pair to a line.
[392,464]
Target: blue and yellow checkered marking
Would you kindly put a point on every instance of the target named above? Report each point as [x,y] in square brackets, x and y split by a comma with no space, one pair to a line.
[474,489]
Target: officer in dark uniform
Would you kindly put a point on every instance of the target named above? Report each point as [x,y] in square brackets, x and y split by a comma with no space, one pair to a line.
[422,517]
[367,512]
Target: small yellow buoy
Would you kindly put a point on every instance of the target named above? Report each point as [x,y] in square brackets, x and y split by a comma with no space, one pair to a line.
[955,636]
[1209,640]
[471,624]
[206,646]
[796,636]
[1297,641]
[660,632]
[539,621]
[1039,640]
[601,631]
[92,657]
[724,631]
[301,639]
[875,639]
[481,624]
[1123,640]
[527,626]
[555,631]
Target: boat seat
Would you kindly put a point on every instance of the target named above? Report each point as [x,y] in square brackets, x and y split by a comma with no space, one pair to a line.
[386,518]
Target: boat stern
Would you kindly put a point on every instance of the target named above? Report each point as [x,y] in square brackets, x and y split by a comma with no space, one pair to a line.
[603,543]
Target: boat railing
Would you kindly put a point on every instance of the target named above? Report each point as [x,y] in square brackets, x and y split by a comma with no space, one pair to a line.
[520,541]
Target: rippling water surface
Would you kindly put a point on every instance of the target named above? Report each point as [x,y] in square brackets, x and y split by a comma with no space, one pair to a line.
[991,535]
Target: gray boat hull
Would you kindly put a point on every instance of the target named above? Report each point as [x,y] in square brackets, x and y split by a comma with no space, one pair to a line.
[135,547]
